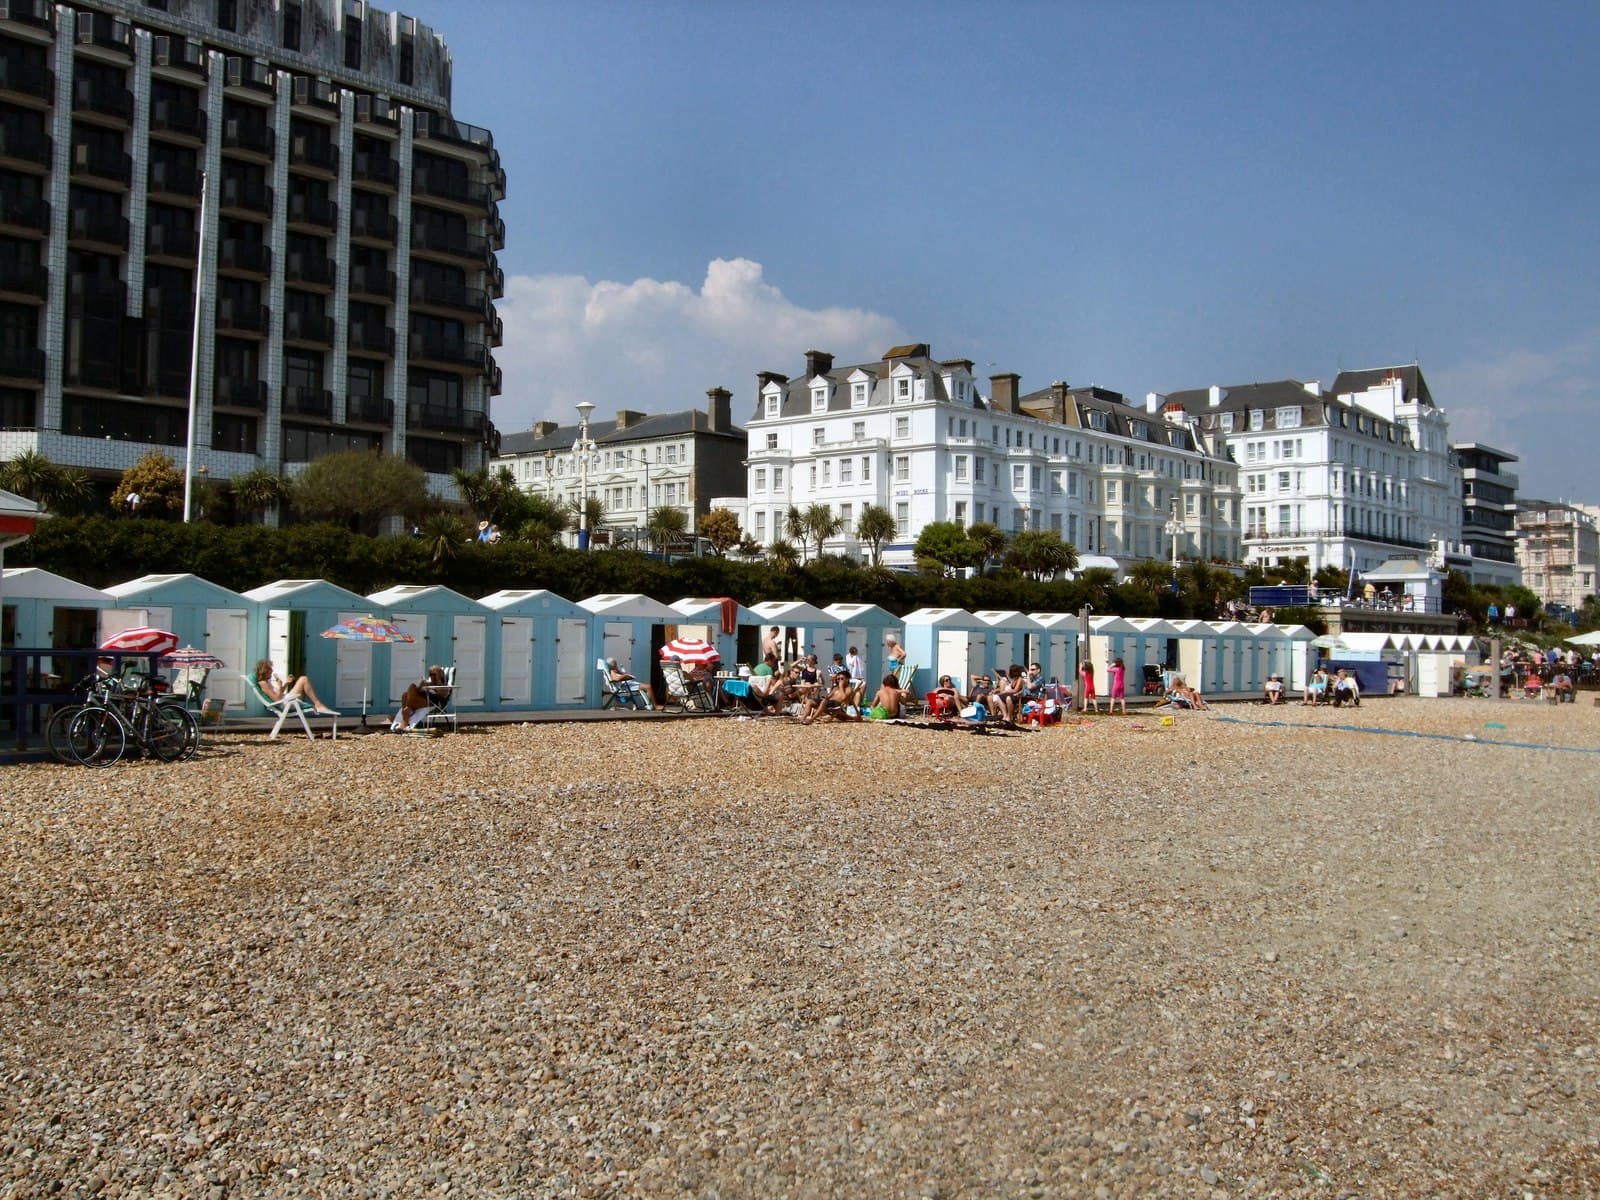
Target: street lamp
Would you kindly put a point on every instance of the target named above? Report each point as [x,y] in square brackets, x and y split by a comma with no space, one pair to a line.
[1173,529]
[583,448]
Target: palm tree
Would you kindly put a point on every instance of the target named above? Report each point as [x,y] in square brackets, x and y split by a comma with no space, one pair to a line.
[794,526]
[58,489]
[258,490]
[783,555]
[666,525]
[821,524]
[990,540]
[1151,575]
[592,511]
[875,527]
[475,488]
[445,533]
[1041,553]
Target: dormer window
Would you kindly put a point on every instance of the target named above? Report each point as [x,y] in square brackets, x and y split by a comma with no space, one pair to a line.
[772,405]
[961,390]
[1287,417]
[819,399]
[902,388]
[1257,419]
[1225,422]
[858,395]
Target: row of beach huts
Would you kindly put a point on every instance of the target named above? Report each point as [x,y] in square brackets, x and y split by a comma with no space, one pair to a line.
[532,650]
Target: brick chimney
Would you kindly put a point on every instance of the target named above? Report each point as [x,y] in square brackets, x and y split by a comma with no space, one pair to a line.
[628,417]
[1003,392]
[543,429]
[719,409]
[818,362]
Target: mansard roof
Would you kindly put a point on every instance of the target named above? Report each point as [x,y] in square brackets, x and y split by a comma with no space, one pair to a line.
[1121,419]
[649,427]
[1414,385]
[914,357]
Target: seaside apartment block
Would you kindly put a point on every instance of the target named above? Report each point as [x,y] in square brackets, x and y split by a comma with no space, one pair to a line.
[344,270]
[912,434]
[1558,546]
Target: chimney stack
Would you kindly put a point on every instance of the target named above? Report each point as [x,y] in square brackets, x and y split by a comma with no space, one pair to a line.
[627,417]
[1314,386]
[1214,396]
[1003,392]
[719,410]
[818,362]
[543,429]
[1152,401]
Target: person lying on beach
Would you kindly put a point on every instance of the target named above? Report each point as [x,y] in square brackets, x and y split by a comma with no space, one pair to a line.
[275,687]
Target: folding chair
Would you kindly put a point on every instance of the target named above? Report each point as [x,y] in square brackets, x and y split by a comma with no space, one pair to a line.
[441,701]
[685,693]
[289,706]
[612,692]
[908,672]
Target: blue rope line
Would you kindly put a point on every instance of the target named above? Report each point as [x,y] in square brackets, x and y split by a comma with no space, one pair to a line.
[1438,737]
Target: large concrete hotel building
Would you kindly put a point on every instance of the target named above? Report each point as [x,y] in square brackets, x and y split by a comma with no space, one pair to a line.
[346,274]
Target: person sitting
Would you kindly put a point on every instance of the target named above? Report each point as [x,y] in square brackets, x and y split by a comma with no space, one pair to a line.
[275,687]
[1532,685]
[1562,687]
[626,682]
[788,692]
[414,704]
[1184,696]
[1316,688]
[982,691]
[1033,683]
[1008,693]
[1273,693]
[838,702]
[944,701]
[886,704]
[1346,690]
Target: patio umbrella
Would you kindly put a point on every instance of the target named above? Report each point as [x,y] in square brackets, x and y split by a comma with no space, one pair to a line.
[142,639]
[189,656]
[690,650]
[1330,641]
[1592,638]
[368,629]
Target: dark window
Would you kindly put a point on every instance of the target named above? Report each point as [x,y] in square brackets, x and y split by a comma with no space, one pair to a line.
[352,41]
[306,444]
[245,293]
[238,359]
[438,278]
[123,420]
[408,56]
[233,433]
[438,389]
[19,328]
[438,331]
[18,408]
[302,370]
[449,226]
[234,230]
[291,24]
[438,457]
[365,378]
[306,246]
[370,258]
[228,15]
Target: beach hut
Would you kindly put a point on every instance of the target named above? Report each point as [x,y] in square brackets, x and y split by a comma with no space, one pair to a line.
[1108,639]
[203,614]
[451,630]
[1273,655]
[1301,654]
[542,657]
[1236,652]
[805,627]
[630,628]
[728,625]
[946,641]
[865,627]
[1158,643]
[1012,637]
[42,610]
[1058,646]
[286,626]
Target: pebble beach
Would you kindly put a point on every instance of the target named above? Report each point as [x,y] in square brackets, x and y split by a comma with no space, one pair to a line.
[1261,951]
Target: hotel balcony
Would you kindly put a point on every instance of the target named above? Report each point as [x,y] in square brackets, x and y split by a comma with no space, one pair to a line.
[248,137]
[30,281]
[91,96]
[26,82]
[373,338]
[373,168]
[25,147]
[105,33]
[246,196]
[445,418]
[308,402]
[311,270]
[372,283]
[97,228]
[313,212]
[20,212]
[230,392]
[237,317]
[170,182]
[313,328]
[433,242]
[369,410]
[21,363]
[177,56]
[107,166]
[443,186]
[467,353]
[369,226]
[171,241]
[426,293]
[313,156]
[183,122]
[244,258]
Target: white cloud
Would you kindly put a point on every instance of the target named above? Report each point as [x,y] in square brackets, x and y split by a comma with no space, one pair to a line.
[1543,406]
[658,345]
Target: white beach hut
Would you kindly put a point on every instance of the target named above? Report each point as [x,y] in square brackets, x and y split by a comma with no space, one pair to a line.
[203,614]
[865,627]
[1058,646]
[945,641]
[806,628]
[450,630]
[286,626]
[631,628]
[728,625]
[1011,637]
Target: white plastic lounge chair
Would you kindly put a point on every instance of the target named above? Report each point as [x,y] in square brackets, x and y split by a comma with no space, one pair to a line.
[441,701]
[287,707]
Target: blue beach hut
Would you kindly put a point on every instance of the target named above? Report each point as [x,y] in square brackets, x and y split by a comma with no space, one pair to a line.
[1010,637]
[865,627]
[286,626]
[631,628]
[203,614]
[709,618]
[1058,646]
[40,609]
[806,628]
[542,657]
[945,641]
[451,630]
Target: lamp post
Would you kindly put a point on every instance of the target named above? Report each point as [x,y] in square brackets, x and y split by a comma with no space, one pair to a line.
[583,448]
[1174,528]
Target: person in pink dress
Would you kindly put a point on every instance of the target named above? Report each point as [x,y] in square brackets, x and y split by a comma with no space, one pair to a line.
[1086,673]
[1119,686]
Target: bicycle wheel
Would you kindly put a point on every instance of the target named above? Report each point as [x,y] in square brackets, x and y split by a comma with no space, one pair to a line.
[95,737]
[55,733]
[170,732]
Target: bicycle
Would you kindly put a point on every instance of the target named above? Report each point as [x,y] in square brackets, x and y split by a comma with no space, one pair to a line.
[97,734]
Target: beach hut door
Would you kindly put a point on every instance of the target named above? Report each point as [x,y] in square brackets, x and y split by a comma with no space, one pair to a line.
[225,637]
[1005,650]
[572,661]
[470,635]
[618,644]
[406,659]
[352,670]
[822,645]
[115,620]
[955,653]
[516,661]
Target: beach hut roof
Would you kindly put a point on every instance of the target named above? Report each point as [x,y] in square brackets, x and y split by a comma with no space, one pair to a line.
[403,594]
[1006,618]
[1101,626]
[35,583]
[150,585]
[941,616]
[1297,633]
[629,604]
[289,589]
[792,612]
[1229,628]
[1160,626]
[870,613]
[1267,630]
[709,608]
[528,598]
[1050,620]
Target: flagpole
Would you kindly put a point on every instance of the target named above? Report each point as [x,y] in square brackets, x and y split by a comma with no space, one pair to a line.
[194,358]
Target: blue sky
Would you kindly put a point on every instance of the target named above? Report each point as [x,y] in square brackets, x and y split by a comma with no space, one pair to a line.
[1144,196]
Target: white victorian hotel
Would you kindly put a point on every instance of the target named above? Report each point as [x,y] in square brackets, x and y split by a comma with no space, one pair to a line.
[913,435]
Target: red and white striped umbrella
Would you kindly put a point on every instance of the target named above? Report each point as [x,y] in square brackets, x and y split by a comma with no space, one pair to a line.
[690,650]
[142,639]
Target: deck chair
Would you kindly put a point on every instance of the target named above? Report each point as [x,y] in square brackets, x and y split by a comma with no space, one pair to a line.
[613,692]
[685,693]
[441,702]
[904,676]
[290,706]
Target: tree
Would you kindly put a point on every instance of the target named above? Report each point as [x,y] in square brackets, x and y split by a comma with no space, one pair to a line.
[783,555]
[819,524]
[361,488]
[946,543]
[61,490]
[156,479]
[749,547]
[1206,588]
[257,490]
[1151,576]
[721,528]
[542,520]
[875,527]
[1041,553]
[444,533]
[990,540]
[666,525]
[794,527]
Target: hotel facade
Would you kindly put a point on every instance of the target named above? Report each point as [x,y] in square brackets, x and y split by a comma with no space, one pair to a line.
[344,267]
